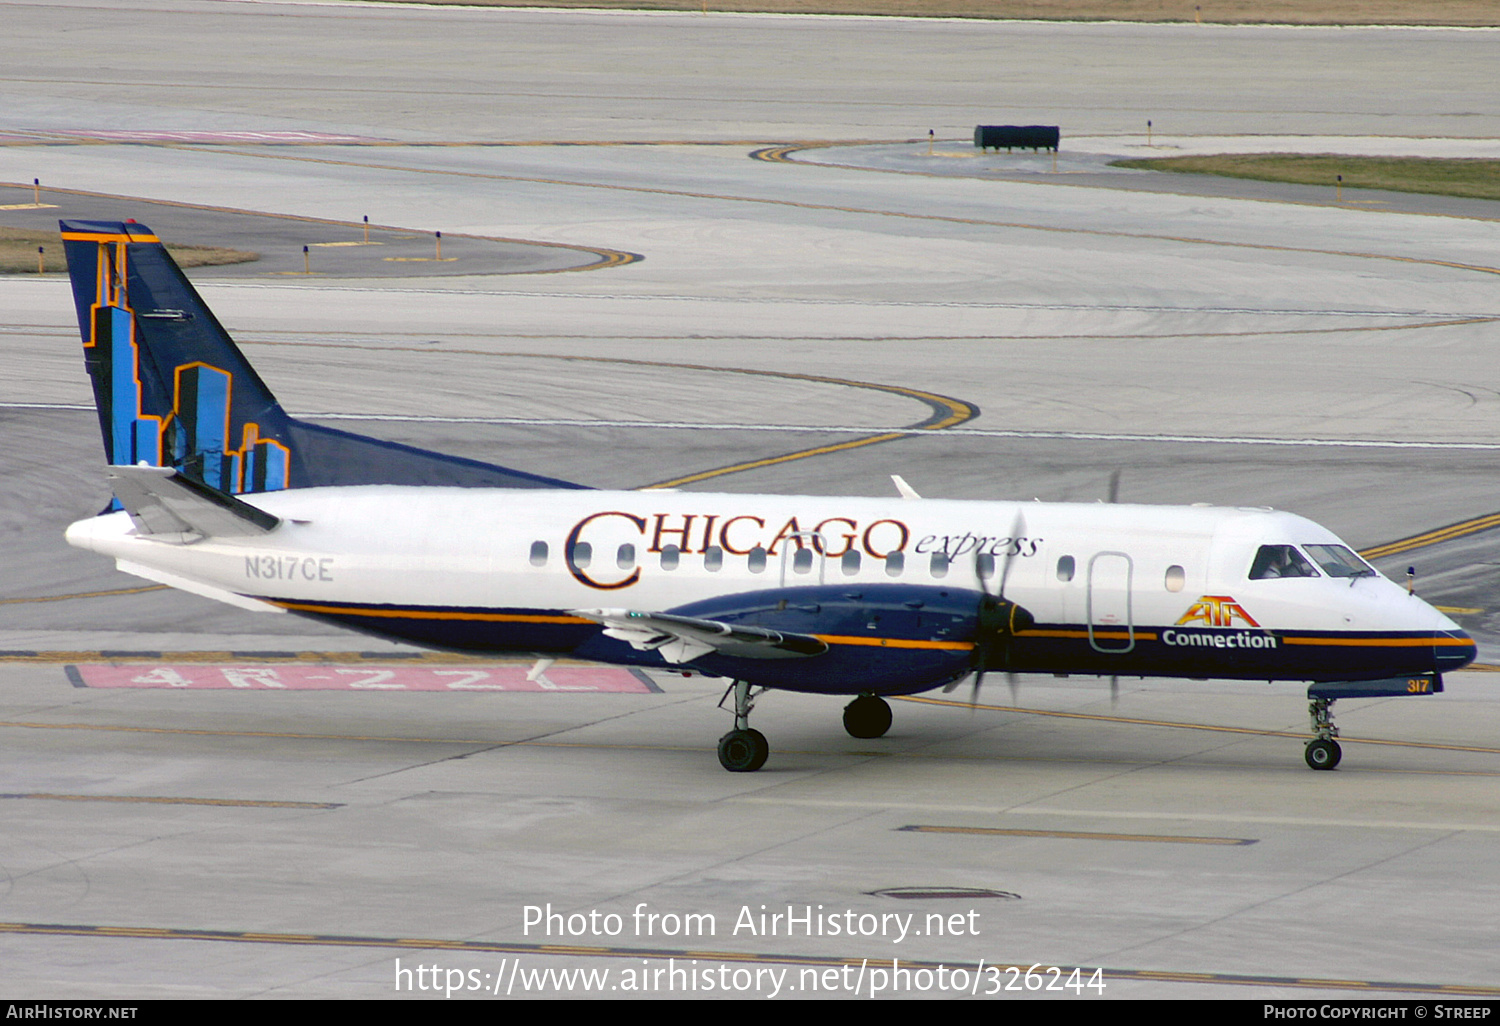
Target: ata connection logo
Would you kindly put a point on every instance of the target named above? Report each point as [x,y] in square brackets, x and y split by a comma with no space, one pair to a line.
[1217,611]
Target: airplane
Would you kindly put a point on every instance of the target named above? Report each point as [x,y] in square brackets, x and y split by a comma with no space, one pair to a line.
[220,493]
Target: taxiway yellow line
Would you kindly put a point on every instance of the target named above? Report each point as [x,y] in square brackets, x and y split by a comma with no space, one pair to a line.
[606,257]
[131,799]
[1078,835]
[1440,534]
[35,725]
[864,753]
[771,461]
[85,594]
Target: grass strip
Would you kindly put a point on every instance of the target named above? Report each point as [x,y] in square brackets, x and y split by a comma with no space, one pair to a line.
[1215,12]
[1472,178]
[18,254]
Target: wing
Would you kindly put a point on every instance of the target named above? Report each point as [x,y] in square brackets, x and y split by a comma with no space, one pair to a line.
[681,639]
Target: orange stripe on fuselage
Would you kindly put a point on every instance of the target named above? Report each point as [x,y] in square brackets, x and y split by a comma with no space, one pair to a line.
[424,614]
[1383,642]
[856,639]
[1113,635]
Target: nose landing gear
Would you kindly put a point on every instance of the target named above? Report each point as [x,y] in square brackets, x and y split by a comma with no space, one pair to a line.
[1323,752]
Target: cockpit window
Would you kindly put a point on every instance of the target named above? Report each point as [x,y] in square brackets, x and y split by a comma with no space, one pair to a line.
[1280,561]
[1338,561]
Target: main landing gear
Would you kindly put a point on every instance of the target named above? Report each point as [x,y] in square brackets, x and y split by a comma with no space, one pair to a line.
[1323,752]
[742,750]
[867,716]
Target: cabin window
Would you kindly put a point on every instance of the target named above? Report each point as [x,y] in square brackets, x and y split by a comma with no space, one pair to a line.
[1280,561]
[939,564]
[581,556]
[895,562]
[802,561]
[849,563]
[670,555]
[984,565]
[757,561]
[1065,568]
[538,553]
[1337,561]
[625,557]
[1176,578]
[713,558]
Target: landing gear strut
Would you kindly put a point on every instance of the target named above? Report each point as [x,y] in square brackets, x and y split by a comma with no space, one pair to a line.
[1323,752]
[742,750]
[867,716]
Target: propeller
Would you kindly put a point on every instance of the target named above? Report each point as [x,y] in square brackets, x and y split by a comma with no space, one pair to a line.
[996,619]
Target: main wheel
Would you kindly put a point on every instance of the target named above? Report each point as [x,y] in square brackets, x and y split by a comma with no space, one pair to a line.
[867,716]
[743,751]
[1323,755]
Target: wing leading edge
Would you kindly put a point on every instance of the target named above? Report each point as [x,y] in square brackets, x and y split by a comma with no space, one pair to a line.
[681,639]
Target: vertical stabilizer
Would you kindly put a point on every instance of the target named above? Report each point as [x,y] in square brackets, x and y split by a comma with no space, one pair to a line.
[171,387]
[173,390]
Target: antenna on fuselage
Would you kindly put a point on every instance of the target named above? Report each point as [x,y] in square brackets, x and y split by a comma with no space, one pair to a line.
[906,490]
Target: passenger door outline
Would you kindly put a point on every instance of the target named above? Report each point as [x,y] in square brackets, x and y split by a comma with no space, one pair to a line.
[1104,599]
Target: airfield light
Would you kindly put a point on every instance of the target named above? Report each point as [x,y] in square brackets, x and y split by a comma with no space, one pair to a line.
[367,229]
[1339,196]
[36,191]
[439,245]
[39,260]
[306,262]
[1148,131]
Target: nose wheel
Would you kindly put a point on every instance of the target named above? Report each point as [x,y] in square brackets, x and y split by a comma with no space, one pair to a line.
[1323,752]
[1323,755]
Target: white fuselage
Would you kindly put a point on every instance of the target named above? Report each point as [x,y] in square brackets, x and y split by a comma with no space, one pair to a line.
[496,548]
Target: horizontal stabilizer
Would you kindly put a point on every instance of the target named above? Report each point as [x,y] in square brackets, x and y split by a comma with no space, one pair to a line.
[207,591]
[681,639]
[161,501]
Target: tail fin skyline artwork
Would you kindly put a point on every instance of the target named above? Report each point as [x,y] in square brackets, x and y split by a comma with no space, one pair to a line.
[173,389]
